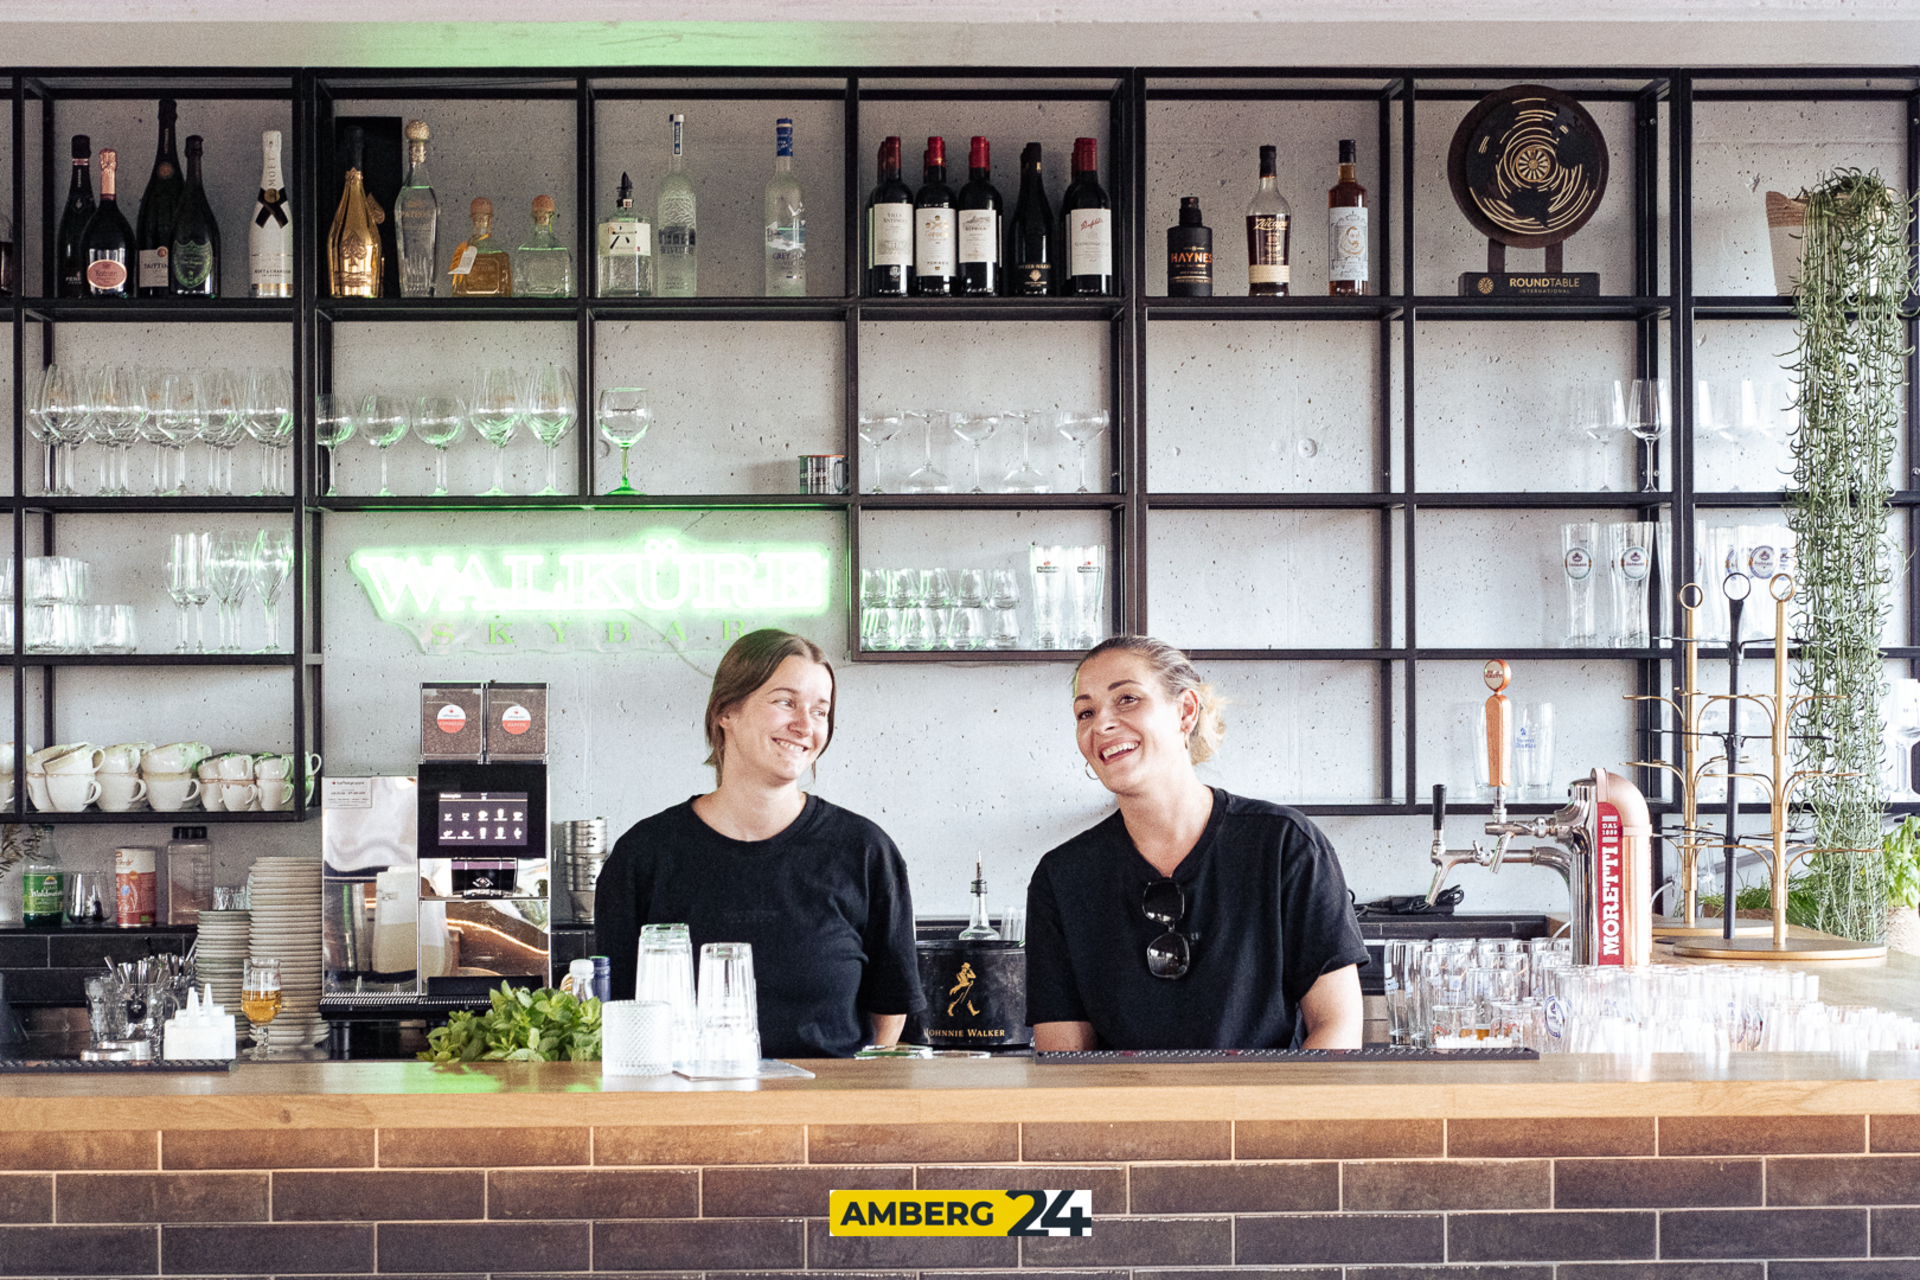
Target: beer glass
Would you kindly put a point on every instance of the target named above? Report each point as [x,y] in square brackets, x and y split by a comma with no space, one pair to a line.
[1631,548]
[1580,551]
[260,1001]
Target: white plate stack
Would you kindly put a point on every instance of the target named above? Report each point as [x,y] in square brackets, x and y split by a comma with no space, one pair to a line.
[286,927]
[221,952]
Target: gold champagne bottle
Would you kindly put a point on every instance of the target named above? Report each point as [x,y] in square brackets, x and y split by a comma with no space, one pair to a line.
[353,246]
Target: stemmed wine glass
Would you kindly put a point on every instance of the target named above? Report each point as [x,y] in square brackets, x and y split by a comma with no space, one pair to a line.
[187,583]
[229,567]
[383,421]
[333,425]
[1023,478]
[268,416]
[927,478]
[1903,732]
[272,563]
[438,422]
[552,409]
[496,410]
[63,416]
[1596,412]
[1080,427]
[1648,418]
[260,1001]
[175,409]
[115,425]
[876,428]
[223,427]
[976,429]
[624,420]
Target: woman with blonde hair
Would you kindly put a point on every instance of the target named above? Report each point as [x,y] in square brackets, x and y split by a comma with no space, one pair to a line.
[1189,918]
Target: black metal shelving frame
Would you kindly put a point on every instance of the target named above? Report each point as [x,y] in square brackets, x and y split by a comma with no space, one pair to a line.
[1660,304]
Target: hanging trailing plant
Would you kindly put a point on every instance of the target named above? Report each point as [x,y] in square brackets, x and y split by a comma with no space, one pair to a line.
[1851,355]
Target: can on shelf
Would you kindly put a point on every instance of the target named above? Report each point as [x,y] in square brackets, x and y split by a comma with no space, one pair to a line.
[823,473]
[133,886]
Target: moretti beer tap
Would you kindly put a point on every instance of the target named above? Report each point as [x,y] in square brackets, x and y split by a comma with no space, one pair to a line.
[1600,847]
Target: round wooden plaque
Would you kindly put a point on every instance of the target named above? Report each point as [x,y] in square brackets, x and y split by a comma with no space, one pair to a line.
[1528,166]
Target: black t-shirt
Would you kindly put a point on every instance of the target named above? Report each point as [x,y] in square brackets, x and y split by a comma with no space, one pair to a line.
[825,905]
[1267,915]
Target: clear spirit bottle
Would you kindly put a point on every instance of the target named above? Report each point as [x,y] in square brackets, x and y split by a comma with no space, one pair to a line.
[625,257]
[481,268]
[980,927]
[417,219]
[786,221]
[674,221]
[543,266]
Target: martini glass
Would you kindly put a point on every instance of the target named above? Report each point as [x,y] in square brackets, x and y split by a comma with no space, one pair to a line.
[1081,427]
[624,419]
[927,478]
[1023,478]
[876,428]
[976,429]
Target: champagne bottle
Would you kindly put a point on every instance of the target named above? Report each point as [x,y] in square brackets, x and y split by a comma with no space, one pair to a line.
[1030,232]
[193,262]
[107,246]
[354,260]
[980,275]
[270,235]
[890,229]
[1086,227]
[72,261]
[158,206]
[935,253]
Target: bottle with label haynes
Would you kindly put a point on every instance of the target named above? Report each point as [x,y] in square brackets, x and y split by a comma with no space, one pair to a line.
[158,205]
[935,249]
[1347,228]
[979,226]
[1086,227]
[890,229]
[270,235]
[1269,228]
[625,254]
[1189,254]
[786,247]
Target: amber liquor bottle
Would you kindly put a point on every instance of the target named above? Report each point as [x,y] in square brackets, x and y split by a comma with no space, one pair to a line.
[1347,228]
[1269,228]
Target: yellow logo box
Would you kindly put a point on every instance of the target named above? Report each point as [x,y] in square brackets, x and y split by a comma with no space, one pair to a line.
[960,1213]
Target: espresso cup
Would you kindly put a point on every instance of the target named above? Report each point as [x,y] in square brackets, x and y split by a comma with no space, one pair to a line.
[234,766]
[120,792]
[171,792]
[72,792]
[235,797]
[80,760]
[275,794]
[124,757]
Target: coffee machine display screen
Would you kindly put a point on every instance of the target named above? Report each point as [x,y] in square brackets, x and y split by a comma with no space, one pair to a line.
[483,819]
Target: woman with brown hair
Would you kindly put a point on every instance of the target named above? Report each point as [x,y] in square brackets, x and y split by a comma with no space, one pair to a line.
[820,893]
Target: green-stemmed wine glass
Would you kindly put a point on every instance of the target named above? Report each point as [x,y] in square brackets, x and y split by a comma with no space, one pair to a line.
[624,419]
[552,409]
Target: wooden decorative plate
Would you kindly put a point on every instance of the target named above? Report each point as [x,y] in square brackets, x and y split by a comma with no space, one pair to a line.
[1528,166]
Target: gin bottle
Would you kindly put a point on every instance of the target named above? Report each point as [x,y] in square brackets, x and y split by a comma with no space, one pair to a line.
[625,256]
[481,268]
[674,219]
[417,211]
[543,266]
[786,221]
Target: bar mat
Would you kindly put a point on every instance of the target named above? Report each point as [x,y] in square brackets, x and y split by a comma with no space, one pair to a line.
[74,1066]
[1372,1053]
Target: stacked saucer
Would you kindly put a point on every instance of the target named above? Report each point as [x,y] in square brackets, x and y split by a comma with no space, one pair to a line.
[224,937]
[286,927]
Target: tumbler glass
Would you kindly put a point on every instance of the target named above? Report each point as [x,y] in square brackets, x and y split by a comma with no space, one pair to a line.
[665,973]
[729,1011]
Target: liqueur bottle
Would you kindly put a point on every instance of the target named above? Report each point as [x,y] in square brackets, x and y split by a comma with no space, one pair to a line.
[354,258]
[270,235]
[193,262]
[107,246]
[481,268]
[158,205]
[979,927]
[1086,227]
[935,253]
[72,262]
[980,275]
[416,213]
[625,256]
[1269,227]
[674,217]
[543,266]
[890,229]
[1029,261]
[786,252]
[1189,254]
[1347,228]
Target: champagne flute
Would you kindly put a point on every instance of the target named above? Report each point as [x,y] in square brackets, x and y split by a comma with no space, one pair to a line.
[272,563]
[624,420]
[187,581]
[976,429]
[260,1001]
[1080,427]
[383,420]
[333,425]
[439,423]
[496,409]
[552,409]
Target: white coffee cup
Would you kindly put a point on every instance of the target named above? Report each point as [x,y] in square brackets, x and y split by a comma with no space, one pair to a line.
[80,760]
[120,792]
[6,790]
[175,757]
[72,792]
[171,792]
[37,791]
[124,757]
[6,759]
[212,798]
[279,766]
[37,760]
[275,794]
[234,766]
[235,796]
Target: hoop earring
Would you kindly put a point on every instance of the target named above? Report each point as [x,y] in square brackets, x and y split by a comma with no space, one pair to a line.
[1088,769]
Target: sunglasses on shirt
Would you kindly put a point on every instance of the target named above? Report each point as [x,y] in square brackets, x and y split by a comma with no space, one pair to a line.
[1168,956]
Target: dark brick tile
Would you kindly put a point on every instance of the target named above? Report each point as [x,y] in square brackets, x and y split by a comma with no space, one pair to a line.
[26,1197]
[1896,1232]
[1324,1238]
[700,1144]
[932,1253]
[161,1197]
[1450,1273]
[1409,1186]
[854,1275]
[1031,1274]
[912,1143]
[84,1149]
[372,1195]
[1238,1273]
[1166,1242]
[612,1275]
[79,1251]
[22,951]
[1656,1184]
[1844,1180]
[798,1193]
[1108,1183]
[1561,1136]
[593,1193]
[278,1248]
[266,1149]
[1848,1270]
[1338,1139]
[1127,1140]
[1292,1187]
[698,1244]
[1764,1233]
[483,1148]
[1893,1133]
[1662,1271]
[1761,1135]
[1549,1237]
[478,1246]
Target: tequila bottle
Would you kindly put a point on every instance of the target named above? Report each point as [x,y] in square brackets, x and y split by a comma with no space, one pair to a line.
[626,250]
[481,268]
[417,210]
[674,218]
[786,221]
[543,265]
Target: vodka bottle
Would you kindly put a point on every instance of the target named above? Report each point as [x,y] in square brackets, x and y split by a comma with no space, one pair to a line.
[416,213]
[786,221]
[270,233]
[626,250]
[543,267]
[674,219]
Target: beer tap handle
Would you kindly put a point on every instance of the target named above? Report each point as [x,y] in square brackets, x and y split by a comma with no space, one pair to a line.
[1439,847]
[1498,675]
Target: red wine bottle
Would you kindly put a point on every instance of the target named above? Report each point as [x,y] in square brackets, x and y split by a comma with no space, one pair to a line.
[158,205]
[73,222]
[890,229]
[193,261]
[1029,260]
[935,247]
[980,275]
[1086,227]
[107,247]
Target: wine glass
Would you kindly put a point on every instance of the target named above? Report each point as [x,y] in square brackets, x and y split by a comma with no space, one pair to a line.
[260,1001]
[268,416]
[229,568]
[383,421]
[118,410]
[175,410]
[272,563]
[333,425]
[187,581]
[225,426]
[1648,418]
[496,409]
[1596,412]
[552,409]
[927,478]
[439,423]
[1023,478]
[1080,427]
[1903,732]
[63,416]
[976,429]
[876,428]
[624,419]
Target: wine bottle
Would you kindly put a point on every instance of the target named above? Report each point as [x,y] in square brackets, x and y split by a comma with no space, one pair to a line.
[626,250]
[270,235]
[979,226]
[354,258]
[193,261]
[107,245]
[1030,232]
[72,261]
[935,253]
[1269,232]
[1347,227]
[1189,254]
[675,219]
[158,205]
[786,253]
[890,229]
[1086,227]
